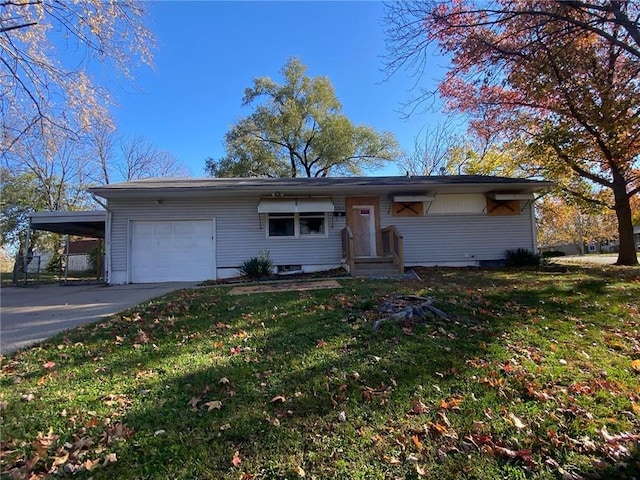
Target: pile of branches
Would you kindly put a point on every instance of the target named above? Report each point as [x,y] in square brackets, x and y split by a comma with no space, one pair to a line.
[409,307]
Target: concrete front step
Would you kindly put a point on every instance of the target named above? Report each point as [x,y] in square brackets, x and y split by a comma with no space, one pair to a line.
[375,266]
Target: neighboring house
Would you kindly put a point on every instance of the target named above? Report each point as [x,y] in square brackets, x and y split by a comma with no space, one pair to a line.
[79,254]
[636,236]
[566,248]
[199,229]
[611,246]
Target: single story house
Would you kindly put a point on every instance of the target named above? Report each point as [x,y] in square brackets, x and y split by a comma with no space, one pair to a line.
[197,229]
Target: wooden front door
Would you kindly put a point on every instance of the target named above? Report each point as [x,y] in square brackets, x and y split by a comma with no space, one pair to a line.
[364,220]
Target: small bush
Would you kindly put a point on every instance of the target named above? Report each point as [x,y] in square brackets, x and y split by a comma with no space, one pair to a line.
[257,267]
[94,254]
[521,257]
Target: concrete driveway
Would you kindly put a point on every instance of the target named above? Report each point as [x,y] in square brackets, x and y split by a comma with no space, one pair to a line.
[601,259]
[30,315]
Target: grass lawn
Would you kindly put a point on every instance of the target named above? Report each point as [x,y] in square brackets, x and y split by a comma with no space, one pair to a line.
[45,278]
[537,375]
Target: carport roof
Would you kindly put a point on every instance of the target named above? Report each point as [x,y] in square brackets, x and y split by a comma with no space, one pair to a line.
[86,224]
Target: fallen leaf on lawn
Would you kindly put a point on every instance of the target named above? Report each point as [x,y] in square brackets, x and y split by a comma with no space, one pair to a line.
[412,458]
[391,460]
[634,406]
[636,365]
[437,428]
[226,426]
[3,405]
[418,407]
[236,460]
[49,364]
[519,424]
[215,404]
[159,432]
[444,418]
[452,403]
[417,442]
[278,398]
[224,381]
[89,464]
[477,426]
[42,443]
[193,403]
[420,470]
[111,458]
[81,444]
[301,473]
[321,343]
[61,457]
[342,417]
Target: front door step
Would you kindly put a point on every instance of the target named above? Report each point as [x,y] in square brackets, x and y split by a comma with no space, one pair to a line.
[375,266]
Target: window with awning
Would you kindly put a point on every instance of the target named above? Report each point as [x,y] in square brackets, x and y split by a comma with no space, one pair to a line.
[296,217]
[506,203]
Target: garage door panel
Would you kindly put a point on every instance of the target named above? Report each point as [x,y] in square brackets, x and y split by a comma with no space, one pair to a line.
[181,250]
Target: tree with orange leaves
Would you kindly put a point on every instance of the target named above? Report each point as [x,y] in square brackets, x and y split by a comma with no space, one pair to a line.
[561,77]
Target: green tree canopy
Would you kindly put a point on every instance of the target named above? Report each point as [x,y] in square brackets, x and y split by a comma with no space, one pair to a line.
[298,129]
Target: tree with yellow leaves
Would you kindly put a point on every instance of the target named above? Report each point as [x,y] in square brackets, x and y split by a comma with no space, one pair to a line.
[40,85]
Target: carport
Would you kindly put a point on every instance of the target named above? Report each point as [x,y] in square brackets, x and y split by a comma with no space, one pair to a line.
[84,224]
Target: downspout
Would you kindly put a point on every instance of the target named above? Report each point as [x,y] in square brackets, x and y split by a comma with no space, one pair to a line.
[534,228]
[107,239]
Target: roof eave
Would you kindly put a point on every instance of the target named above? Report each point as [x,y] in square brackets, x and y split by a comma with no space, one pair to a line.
[138,191]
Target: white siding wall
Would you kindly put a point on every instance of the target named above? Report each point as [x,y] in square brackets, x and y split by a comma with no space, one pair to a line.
[240,233]
[455,231]
[456,237]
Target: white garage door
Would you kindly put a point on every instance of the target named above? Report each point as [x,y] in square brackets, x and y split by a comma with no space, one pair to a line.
[172,251]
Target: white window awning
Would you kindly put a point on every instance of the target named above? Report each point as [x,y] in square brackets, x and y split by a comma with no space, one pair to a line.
[413,198]
[502,197]
[295,205]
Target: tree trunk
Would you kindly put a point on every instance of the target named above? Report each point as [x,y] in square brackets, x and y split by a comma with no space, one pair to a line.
[627,253]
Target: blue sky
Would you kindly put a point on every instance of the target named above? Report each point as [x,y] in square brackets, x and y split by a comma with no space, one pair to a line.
[209,52]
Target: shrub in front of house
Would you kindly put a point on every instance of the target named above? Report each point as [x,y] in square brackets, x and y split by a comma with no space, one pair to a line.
[257,268]
[521,257]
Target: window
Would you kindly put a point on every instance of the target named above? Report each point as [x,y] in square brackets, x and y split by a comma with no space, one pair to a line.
[311,224]
[407,209]
[281,225]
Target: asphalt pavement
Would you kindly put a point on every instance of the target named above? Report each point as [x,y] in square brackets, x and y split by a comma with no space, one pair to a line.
[33,314]
[602,259]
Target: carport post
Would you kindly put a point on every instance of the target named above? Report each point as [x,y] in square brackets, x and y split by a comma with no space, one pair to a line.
[99,259]
[25,255]
[66,259]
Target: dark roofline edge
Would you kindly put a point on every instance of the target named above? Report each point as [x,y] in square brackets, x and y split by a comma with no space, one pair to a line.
[257,182]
